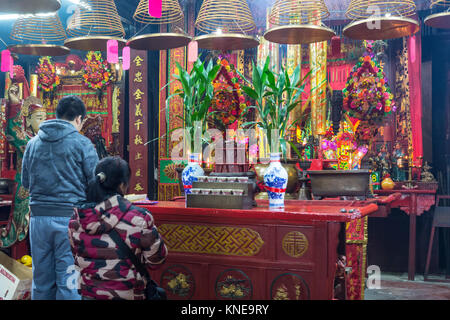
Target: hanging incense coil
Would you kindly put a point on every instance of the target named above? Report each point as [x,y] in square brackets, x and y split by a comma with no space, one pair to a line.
[39,35]
[29,7]
[363,9]
[439,3]
[441,19]
[39,29]
[96,22]
[298,22]
[288,12]
[96,18]
[171,13]
[381,19]
[228,16]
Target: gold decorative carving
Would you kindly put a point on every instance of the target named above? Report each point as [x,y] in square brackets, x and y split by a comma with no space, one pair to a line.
[295,244]
[222,240]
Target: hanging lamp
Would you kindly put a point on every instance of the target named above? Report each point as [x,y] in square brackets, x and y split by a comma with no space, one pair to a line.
[39,35]
[297,22]
[29,6]
[381,19]
[227,25]
[171,13]
[442,19]
[96,22]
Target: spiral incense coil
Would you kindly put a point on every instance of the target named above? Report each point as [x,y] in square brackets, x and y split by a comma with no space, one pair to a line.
[298,22]
[363,9]
[381,19]
[41,29]
[96,18]
[228,16]
[171,13]
[288,12]
[435,3]
[441,19]
[39,35]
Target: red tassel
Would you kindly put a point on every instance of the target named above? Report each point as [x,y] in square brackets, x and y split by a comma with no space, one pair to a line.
[155,8]
[6,61]
[112,51]
[192,51]
[412,46]
[126,58]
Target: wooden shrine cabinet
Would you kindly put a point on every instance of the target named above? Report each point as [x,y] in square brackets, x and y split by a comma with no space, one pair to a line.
[259,254]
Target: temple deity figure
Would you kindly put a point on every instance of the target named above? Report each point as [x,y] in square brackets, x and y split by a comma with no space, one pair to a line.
[383,155]
[397,163]
[23,120]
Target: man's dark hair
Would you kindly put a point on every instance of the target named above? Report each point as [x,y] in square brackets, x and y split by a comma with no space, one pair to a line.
[69,108]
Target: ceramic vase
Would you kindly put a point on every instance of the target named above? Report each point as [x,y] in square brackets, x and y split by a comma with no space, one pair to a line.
[275,181]
[191,172]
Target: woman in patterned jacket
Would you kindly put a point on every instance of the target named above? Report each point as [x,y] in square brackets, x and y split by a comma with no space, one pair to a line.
[106,273]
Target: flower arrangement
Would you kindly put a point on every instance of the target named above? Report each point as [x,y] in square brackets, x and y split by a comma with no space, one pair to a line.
[47,77]
[97,74]
[228,101]
[367,95]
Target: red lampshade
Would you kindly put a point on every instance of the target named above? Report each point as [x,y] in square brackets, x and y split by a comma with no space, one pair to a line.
[112,51]
[6,61]
[126,58]
[155,8]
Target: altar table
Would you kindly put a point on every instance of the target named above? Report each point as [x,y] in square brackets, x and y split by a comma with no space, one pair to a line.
[257,254]
[413,202]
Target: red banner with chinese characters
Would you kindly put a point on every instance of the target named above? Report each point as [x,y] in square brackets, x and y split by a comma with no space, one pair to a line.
[356,253]
[138,119]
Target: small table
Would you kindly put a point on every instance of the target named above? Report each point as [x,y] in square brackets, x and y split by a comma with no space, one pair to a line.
[413,202]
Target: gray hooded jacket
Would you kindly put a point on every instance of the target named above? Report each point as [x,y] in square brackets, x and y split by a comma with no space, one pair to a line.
[56,167]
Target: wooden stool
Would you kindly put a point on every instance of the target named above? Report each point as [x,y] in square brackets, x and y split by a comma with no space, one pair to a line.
[441,219]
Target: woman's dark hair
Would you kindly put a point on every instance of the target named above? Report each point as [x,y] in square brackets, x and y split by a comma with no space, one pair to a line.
[109,174]
[70,107]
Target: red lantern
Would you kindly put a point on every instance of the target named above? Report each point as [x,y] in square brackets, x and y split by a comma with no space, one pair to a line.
[155,8]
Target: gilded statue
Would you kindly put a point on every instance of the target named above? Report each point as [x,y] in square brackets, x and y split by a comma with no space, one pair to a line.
[427,176]
[23,120]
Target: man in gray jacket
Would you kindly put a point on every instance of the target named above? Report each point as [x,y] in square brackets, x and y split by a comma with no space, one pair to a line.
[57,166]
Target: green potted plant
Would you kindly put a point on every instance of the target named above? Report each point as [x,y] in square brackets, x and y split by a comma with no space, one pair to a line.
[196,92]
[275,95]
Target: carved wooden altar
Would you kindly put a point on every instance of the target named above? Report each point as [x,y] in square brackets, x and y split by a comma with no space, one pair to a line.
[253,254]
[414,202]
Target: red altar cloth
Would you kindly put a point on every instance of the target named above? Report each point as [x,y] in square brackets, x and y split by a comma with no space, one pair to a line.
[253,254]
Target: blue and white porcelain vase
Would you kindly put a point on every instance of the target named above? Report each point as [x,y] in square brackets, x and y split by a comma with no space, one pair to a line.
[192,171]
[275,181]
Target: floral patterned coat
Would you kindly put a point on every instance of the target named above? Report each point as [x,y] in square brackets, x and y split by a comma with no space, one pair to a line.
[106,273]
